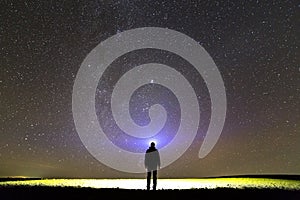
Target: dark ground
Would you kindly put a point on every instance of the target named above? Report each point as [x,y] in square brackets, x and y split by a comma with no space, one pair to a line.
[46,192]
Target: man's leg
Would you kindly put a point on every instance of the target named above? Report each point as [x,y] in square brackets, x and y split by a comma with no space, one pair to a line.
[148,179]
[154,179]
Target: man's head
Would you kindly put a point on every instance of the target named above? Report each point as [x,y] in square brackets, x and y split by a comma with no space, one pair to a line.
[152,144]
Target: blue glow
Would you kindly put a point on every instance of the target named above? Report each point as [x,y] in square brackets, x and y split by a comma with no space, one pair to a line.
[149,143]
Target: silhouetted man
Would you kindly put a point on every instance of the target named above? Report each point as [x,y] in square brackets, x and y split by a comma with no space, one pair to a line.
[152,164]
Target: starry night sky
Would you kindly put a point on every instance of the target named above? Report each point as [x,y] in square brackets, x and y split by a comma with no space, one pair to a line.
[254,44]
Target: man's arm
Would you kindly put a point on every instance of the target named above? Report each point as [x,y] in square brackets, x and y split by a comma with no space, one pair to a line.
[146,161]
[158,160]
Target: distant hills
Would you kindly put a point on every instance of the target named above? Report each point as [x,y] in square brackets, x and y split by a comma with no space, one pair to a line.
[273,176]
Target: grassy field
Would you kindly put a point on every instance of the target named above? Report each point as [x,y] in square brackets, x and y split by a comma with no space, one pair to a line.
[221,187]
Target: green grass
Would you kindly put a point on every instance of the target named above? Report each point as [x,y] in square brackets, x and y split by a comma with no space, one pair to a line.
[197,183]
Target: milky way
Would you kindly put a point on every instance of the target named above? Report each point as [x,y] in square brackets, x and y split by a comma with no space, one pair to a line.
[254,44]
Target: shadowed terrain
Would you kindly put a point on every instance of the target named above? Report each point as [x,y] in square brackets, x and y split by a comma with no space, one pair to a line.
[39,192]
[16,188]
